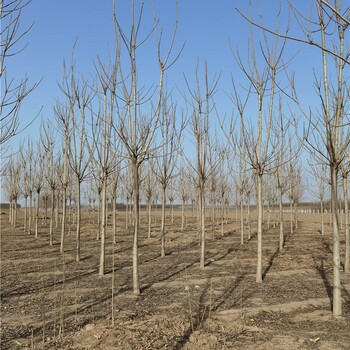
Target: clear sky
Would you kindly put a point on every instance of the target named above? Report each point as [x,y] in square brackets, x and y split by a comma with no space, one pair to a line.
[208,27]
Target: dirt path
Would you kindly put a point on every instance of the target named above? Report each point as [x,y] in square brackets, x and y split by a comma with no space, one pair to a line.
[49,301]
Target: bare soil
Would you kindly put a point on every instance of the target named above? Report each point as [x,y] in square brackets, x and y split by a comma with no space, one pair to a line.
[50,301]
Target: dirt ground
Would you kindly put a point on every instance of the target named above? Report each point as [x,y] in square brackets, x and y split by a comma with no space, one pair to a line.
[49,301]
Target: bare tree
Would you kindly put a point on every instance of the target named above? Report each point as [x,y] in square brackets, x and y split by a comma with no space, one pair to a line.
[345,171]
[165,162]
[26,162]
[149,187]
[281,169]
[114,186]
[241,179]
[172,197]
[319,173]
[223,184]
[184,193]
[215,160]
[325,129]
[331,23]
[201,108]
[38,182]
[51,171]
[258,140]
[100,148]
[78,97]
[62,114]
[136,129]
[295,191]
[12,186]
[13,92]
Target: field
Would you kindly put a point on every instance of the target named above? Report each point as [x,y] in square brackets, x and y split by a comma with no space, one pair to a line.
[49,301]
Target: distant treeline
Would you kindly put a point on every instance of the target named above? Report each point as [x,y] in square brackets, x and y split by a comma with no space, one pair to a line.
[7,205]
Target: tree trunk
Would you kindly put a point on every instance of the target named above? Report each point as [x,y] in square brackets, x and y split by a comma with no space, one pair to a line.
[127,214]
[37,214]
[44,221]
[103,225]
[52,214]
[15,214]
[295,214]
[281,219]
[172,212]
[260,218]
[162,229]
[78,220]
[337,302]
[222,215]
[322,218]
[25,214]
[98,216]
[30,214]
[242,220]
[347,228]
[136,205]
[249,219]
[182,215]
[64,211]
[149,206]
[291,216]
[57,212]
[212,213]
[114,201]
[10,212]
[202,224]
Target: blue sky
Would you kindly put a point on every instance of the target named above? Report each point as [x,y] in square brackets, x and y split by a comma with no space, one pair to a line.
[206,26]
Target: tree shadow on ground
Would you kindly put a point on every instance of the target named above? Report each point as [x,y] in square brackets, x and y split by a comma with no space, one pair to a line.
[321,271]
[271,260]
[164,276]
[200,311]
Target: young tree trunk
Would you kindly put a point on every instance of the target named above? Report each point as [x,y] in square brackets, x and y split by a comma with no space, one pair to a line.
[182,215]
[136,205]
[162,229]
[291,217]
[30,213]
[98,216]
[114,203]
[52,215]
[26,214]
[78,220]
[149,206]
[281,219]
[347,228]
[44,220]
[57,211]
[242,219]
[260,219]
[249,220]
[103,225]
[222,215]
[212,213]
[202,224]
[322,218]
[37,214]
[296,214]
[337,302]
[15,213]
[64,214]
[172,212]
